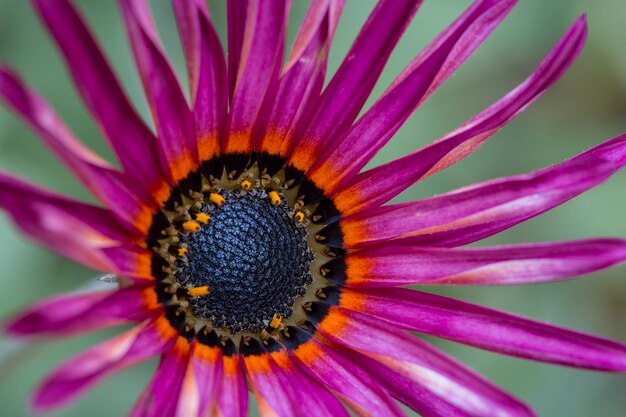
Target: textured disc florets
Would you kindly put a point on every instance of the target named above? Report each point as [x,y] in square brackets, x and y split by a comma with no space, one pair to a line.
[253,256]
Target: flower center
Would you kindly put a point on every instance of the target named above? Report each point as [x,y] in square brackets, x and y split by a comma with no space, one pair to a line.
[253,257]
[241,253]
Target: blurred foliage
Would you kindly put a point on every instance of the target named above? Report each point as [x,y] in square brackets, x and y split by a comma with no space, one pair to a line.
[587,106]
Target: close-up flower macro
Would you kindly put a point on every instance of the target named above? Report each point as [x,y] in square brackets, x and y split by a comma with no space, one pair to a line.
[266,228]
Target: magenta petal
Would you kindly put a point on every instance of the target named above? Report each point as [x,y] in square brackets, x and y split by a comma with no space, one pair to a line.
[515,264]
[132,141]
[283,386]
[414,85]
[481,210]
[404,389]
[208,80]
[202,381]
[302,77]
[273,393]
[350,87]
[172,117]
[73,229]
[380,184]
[232,392]
[490,329]
[417,361]
[261,56]
[161,397]
[350,383]
[76,313]
[237,18]
[80,373]
[106,183]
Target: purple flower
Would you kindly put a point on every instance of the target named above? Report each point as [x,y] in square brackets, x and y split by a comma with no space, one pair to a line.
[250,249]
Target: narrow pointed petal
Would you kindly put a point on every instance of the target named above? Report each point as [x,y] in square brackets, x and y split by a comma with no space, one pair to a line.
[260,60]
[350,87]
[486,329]
[414,85]
[232,393]
[505,265]
[302,77]
[481,210]
[349,382]
[87,234]
[203,378]
[307,396]
[237,21]
[173,120]
[273,397]
[76,313]
[98,176]
[282,389]
[131,139]
[208,81]
[80,373]
[377,186]
[402,388]
[160,399]
[417,361]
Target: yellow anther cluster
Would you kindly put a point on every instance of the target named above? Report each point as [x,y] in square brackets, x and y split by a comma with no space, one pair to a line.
[191,226]
[198,291]
[274,197]
[276,320]
[203,218]
[246,185]
[216,199]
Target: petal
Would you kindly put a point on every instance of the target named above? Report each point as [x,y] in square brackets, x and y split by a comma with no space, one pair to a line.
[475,212]
[353,82]
[257,74]
[308,397]
[161,397]
[417,361]
[237,23]
[87,234]
[203,378]
[302,78]
[486,329]
[132,141]
[172,117]
[207,74]
[232,393]
[505,265]
[376,186]
[403,388]
[414,85]
[106,183]
[75,313]
[273,396]
[349,382]
[80,373]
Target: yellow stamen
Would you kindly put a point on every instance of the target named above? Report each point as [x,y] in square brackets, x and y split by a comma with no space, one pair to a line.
[191,226]
[199,291]
[216,199]
[182,251]
[299,216]
[274,198]
[246,185]
[203,218]
[276,320]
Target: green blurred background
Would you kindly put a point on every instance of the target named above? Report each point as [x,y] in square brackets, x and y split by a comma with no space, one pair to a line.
[587,106]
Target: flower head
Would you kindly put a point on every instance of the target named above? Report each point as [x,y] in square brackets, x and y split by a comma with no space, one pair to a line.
[250,247]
